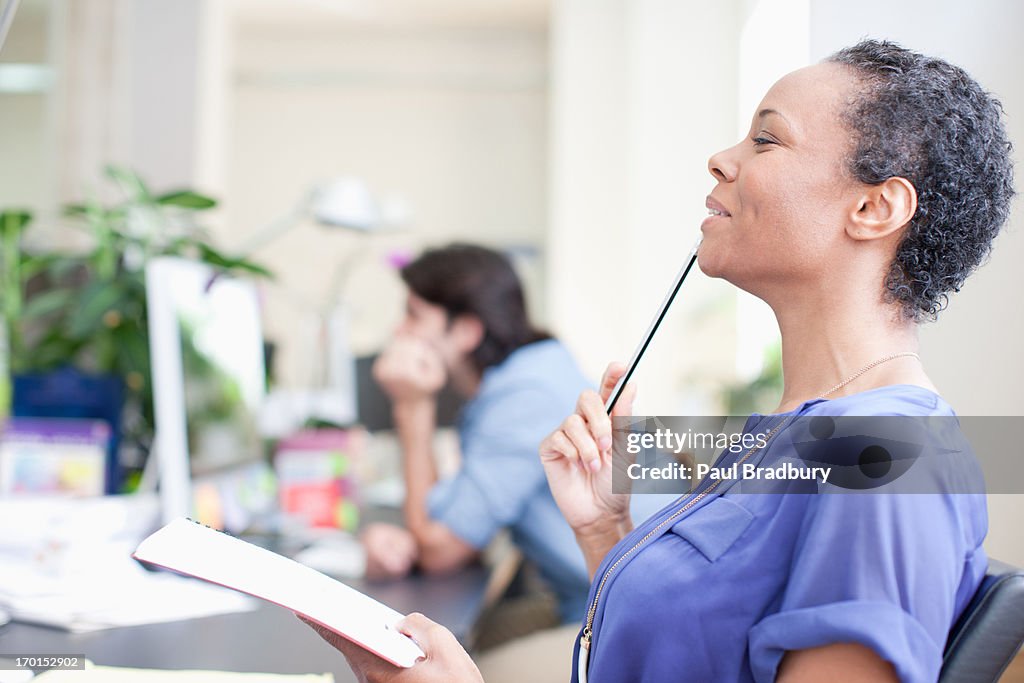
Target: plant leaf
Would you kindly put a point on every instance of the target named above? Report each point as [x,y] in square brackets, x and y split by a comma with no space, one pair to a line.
[130,182]
[187,199]
[135,351]
[47,302]
[52,351]
[97,299]
[14,221]
[34,264]
[208,254]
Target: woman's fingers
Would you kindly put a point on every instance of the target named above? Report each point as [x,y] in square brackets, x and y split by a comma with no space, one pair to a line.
[586,435]
[575,427]
[333,639]
[447,661]
[591,407]
[611,377]
[558,445]
[428,635]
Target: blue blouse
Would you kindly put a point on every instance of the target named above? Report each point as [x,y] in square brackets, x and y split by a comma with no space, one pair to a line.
[725,589]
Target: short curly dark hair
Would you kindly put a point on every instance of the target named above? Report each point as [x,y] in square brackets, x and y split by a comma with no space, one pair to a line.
[925,120]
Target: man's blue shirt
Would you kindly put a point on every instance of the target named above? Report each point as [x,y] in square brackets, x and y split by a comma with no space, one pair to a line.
[501,482]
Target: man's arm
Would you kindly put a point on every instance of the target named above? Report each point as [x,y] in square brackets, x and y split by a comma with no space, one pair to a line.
[440,550]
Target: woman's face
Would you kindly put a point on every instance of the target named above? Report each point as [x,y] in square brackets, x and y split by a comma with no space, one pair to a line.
[783,193]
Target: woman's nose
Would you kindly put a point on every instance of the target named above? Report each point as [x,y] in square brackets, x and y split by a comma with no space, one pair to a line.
[722,166]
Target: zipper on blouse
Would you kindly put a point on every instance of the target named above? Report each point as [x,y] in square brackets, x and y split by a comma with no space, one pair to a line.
[584,656]
[588,628]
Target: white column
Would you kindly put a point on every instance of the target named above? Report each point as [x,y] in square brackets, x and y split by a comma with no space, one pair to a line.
[642,92]
[176,89]
[588,195]
[143,85]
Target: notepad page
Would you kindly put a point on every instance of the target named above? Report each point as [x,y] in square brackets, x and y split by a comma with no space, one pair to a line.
[191,548]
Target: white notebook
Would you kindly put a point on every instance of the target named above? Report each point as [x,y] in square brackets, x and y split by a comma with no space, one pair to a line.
[191,548]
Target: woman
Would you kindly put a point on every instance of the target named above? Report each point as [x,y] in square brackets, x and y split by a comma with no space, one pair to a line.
[869,187]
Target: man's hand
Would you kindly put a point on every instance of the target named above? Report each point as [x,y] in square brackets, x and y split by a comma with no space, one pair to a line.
[410,369]
[391,551]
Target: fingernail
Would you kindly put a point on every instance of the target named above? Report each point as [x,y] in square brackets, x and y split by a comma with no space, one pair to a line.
[605,443]
[595,464]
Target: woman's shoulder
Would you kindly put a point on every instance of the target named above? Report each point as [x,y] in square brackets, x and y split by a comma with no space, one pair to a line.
[909,400]
[899,438]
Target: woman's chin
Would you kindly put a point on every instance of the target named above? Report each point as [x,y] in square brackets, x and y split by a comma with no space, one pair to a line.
[710,263]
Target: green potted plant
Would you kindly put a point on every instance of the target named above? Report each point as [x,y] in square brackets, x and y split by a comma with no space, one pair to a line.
[87,309]
[12,225]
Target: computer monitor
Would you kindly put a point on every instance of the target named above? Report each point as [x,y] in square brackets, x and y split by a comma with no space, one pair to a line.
[208,374]
[374,407]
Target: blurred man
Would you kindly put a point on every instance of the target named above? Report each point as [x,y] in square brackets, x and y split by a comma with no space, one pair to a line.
[466,324]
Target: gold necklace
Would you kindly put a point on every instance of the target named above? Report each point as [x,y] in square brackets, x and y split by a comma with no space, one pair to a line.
[869,366]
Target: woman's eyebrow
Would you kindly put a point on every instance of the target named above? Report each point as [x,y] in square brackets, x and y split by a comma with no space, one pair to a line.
[767,112]
[787,127]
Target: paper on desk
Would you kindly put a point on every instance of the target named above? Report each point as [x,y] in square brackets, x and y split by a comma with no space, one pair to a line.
[110,674]
[15,675]
[191,548]
[106,591]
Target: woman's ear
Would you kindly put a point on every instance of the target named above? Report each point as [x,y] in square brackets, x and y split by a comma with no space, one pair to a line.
[883,209]
[466,332]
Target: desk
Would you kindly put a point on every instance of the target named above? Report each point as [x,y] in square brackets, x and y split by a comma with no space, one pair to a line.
[270,639]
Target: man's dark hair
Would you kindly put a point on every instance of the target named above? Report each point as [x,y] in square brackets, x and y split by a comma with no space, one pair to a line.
[928,121]
[469,279]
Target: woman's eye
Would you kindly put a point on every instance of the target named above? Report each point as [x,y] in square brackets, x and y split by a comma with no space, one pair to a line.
[759,141]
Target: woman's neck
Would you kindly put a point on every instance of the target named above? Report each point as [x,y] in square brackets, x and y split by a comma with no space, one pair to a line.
[827,342]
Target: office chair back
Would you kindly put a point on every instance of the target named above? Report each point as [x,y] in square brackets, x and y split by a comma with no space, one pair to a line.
[989,634]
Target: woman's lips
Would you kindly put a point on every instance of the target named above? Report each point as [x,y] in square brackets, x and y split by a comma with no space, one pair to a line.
[716,209]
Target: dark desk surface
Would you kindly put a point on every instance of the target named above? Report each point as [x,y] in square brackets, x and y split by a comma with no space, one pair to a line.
[270,639]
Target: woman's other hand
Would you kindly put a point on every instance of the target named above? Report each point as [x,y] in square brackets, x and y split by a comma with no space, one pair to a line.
[446,661]
[577,459]
[391,551]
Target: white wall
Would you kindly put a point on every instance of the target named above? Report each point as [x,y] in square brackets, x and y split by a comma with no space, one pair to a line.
[642,93]
[133,84]
[452,120]
[26,137]
[134,89]
[973,351]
